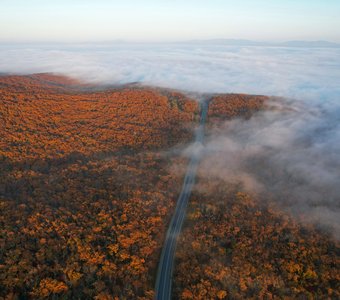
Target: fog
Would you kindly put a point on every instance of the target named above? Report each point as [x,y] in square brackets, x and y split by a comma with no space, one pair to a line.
[291,152]
[291,156]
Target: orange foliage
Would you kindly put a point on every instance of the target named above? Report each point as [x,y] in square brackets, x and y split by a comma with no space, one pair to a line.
[235,105]
[243,248]
[41,122]
[85,192]
[48,287]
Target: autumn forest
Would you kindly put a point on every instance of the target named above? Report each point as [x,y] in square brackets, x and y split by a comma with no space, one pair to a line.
[89,179]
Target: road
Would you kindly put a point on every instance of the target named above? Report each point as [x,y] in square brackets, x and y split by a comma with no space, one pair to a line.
[166,263]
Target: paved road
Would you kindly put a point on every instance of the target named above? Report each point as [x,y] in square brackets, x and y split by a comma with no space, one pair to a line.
[165,267]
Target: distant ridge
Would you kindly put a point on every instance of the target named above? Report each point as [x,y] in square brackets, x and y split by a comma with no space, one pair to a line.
[316,44]
[241,42]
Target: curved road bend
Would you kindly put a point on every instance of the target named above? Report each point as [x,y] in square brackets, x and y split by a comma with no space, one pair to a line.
[166,263]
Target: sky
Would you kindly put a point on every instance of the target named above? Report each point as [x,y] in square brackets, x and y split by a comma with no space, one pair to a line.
[168,20]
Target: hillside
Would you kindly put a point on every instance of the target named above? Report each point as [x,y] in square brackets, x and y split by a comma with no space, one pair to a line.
[89,178]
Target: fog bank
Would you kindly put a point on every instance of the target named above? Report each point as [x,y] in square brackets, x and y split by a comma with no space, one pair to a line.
[290,154]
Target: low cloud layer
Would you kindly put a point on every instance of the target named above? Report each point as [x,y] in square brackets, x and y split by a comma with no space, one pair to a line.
[292,152]
[292,72]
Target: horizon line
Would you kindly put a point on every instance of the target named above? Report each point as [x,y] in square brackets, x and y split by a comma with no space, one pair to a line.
[198,40]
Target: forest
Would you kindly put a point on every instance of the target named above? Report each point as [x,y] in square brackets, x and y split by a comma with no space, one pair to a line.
[89,178]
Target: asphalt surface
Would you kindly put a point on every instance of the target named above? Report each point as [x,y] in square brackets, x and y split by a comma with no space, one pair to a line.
[166,263]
